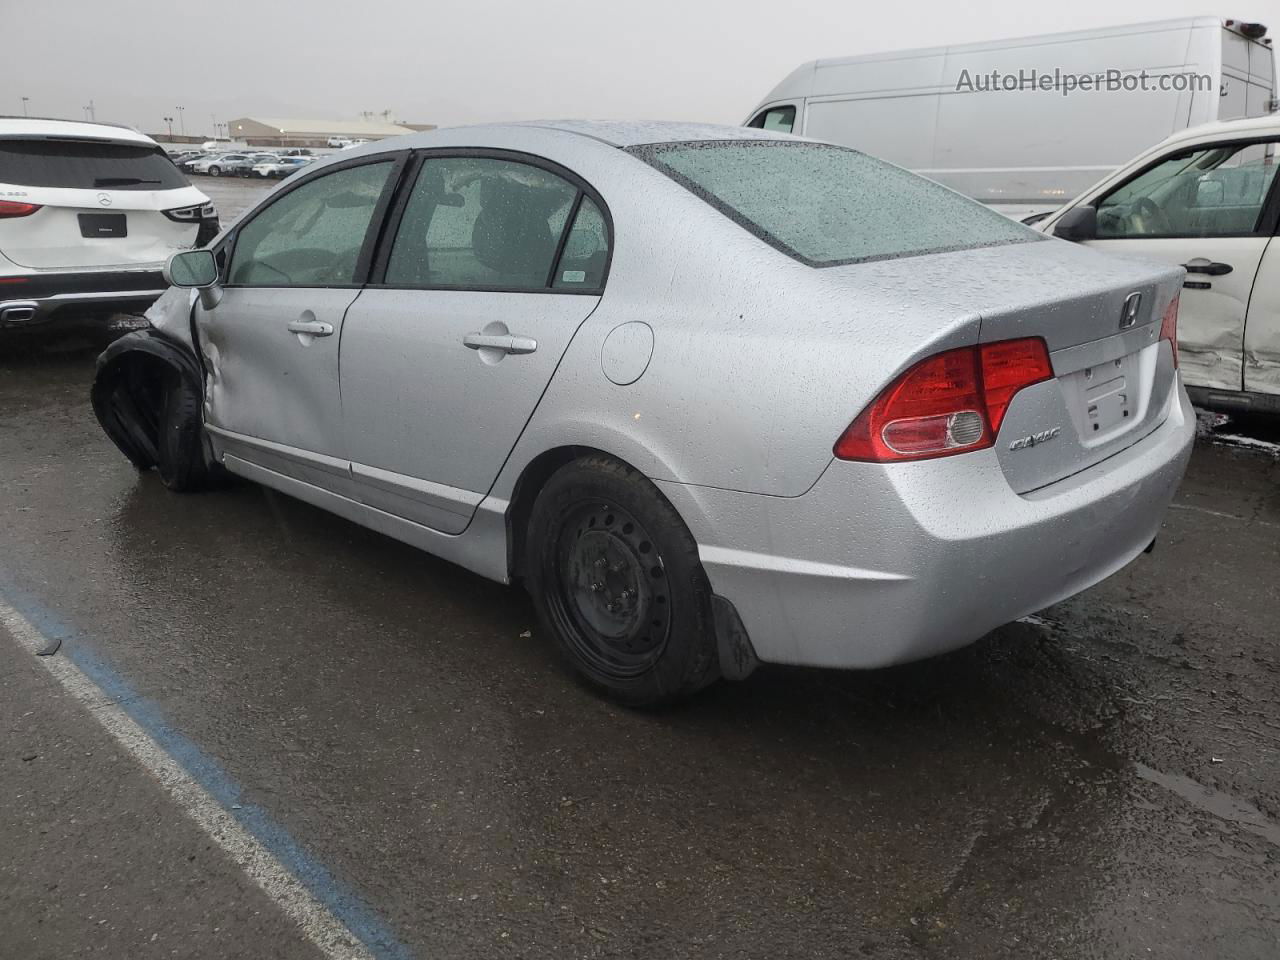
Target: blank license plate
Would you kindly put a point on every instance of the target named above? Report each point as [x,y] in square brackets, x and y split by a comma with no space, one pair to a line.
[103,225]
[1108,394]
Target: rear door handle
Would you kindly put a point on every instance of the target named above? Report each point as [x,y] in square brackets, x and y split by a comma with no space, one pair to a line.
[316,328]
[506,342]
[1201,265]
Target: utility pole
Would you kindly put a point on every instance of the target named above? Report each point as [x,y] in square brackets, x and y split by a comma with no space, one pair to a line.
[182,126]
[24,105]
[92,115]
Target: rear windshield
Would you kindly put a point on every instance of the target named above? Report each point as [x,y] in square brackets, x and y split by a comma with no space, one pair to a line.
[86,165]
[828,205]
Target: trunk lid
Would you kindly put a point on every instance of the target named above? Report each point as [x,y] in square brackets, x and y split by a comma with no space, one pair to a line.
[1100,318]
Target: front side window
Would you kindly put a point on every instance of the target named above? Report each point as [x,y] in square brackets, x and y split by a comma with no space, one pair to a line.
[87,165]
[780,119]
[482,223]
[313,235]
[827,205]
[1217,191]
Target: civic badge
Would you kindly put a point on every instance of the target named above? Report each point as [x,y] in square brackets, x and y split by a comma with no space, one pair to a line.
[104,199]
[1129,312]
[1035,439]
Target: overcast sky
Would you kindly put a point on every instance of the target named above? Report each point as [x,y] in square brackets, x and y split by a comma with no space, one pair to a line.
[465,62]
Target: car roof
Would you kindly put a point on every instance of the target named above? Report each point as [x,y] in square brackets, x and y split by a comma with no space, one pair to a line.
[617,133]
[12,128]
[1227,129]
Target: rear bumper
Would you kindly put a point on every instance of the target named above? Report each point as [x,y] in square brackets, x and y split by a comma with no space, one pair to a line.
[35,298]
[878,565]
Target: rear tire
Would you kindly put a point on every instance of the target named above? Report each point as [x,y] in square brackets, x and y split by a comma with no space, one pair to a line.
[180,440]
[615,578]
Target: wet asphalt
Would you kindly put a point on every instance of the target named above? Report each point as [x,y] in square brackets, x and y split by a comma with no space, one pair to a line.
[1104,782]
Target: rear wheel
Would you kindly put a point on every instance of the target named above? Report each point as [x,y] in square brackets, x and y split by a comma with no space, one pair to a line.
[615,578]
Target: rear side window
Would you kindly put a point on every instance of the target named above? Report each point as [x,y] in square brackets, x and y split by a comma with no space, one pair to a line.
[586,250]
[86,165]
[493,224]
[826,205]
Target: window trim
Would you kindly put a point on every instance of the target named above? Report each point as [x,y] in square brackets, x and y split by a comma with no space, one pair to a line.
[648,152]
[1268,214]
[391,227]
[364,259]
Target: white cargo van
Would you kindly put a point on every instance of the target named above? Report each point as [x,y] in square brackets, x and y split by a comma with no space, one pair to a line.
[1028,149]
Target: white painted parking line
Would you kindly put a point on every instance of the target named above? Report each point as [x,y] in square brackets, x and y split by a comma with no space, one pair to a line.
[1224,516]
[314,919]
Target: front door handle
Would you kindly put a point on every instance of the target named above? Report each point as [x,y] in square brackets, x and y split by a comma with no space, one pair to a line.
[505,342]
[1202,265]
[317,328]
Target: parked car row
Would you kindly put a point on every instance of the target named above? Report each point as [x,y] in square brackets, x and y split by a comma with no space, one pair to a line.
[279,167]
[261,163]
[346,143]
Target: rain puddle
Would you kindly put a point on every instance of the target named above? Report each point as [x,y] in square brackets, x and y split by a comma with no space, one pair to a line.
[1249,443]
[1214,802]
[1213,427]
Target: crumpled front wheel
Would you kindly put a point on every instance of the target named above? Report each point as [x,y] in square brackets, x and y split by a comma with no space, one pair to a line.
[181,461]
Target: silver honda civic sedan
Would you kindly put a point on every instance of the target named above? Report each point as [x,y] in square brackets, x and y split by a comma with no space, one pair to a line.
[715,396]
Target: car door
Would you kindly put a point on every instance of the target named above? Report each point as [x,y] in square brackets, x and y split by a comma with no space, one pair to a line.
[1262,328]
[493,263]
[1211,208]
[271,344]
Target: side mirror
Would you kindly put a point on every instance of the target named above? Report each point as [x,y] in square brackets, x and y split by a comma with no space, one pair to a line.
[195,269]
[1078,223]
[1209,193]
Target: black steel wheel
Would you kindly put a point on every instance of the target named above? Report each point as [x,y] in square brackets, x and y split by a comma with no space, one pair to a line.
[615,578]
[610,600]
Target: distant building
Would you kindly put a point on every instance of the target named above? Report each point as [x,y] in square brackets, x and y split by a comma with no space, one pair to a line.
[281,132]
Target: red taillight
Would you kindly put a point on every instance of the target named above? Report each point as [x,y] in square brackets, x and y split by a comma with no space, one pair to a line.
[952,402]
[12,208]
[1169,328]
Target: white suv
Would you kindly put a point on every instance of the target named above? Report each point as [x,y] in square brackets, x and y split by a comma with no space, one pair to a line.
[89,213]
[1208,200]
